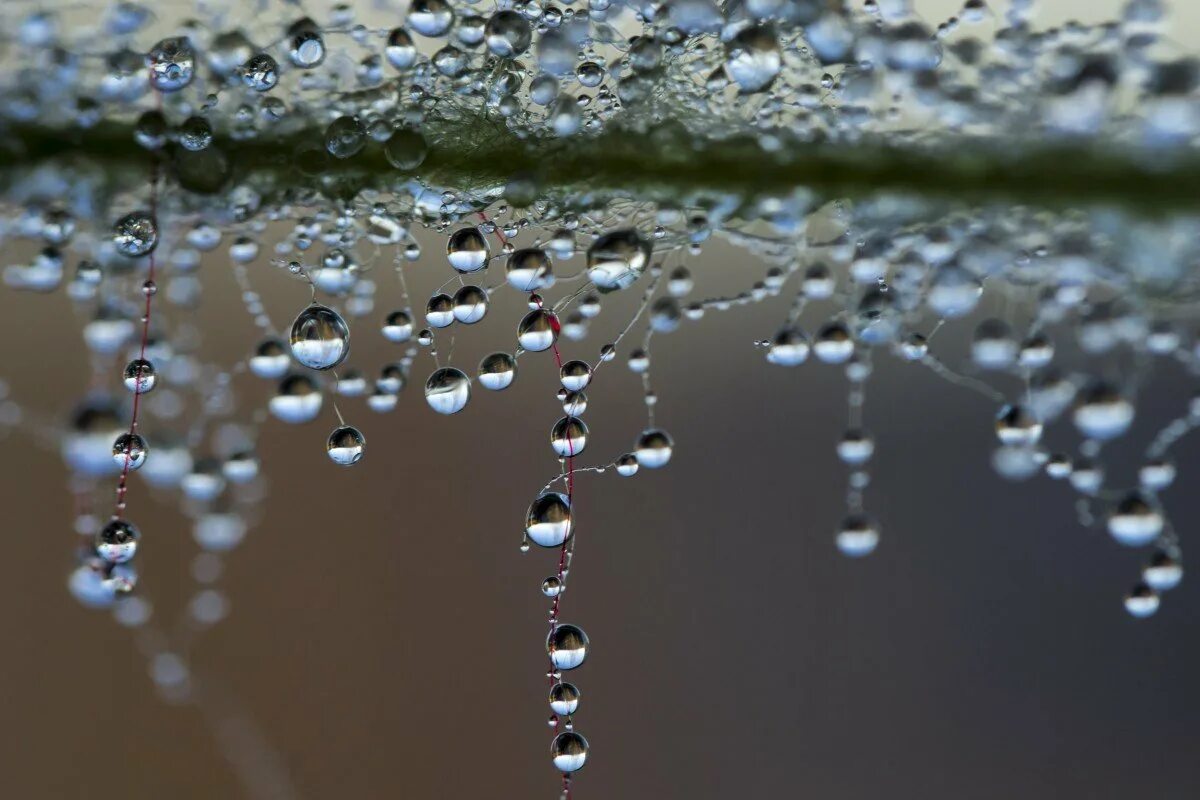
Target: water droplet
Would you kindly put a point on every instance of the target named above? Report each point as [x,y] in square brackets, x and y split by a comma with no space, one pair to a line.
[538,330]
[467,250]
[568,437]
[117,541]
[470,304]
[135,234]
[548,521]
[567,646]
[654,448]
[617,259]
[172,64]
[320,338]
[1135,521]
[564,699]
[130,448]
[858,536]
[345,445]
[139,376]
[497,371]
[448,390]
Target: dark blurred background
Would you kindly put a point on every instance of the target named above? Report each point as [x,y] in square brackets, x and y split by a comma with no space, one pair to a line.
[386,636]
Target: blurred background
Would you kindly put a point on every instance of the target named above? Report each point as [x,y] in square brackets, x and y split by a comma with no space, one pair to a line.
[386,637]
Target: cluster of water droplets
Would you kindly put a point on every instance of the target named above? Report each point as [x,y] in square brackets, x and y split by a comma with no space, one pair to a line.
[238,133]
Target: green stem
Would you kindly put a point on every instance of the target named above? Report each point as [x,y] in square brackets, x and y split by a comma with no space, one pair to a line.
[476,154]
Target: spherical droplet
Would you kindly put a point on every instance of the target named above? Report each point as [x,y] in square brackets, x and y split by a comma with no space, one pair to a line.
[135,234]
[129,448]
[172,64]
[507,34]
[575,375]
[858,536]
[345,137]
[497,371]
[548,521]
[467,250]
[552,586]
[538,330]
[470,304]
[1142,602]
[270,359]
[117,541]
[1016,426]
[1102,413]
[569,751]
[139,376]
[298,399]
[398,327]
[320,338]
[528,269]
[430,18]
[1135,521]
[567,646]
[448,390]
[564,699]
[654,448]
[260,72]
[568,437]
[617,259]
[1163,573]
[345,445]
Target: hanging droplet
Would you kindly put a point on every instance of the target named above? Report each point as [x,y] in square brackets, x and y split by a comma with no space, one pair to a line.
[575,375]
[789,348]
[1135,521]
[538,330]
[569,752]
[497,371]
[117,541]
[400,52]
[129,448]
[270,359]
[439,311]
[1102,413]
[567,646]
[552,586]
[345,445]
[398,327]
[564,699]
[467,250]
[1016,426]
[172,64]
[345,137]
[431,18]
[298,399]
[139,376]
[306,48]
[858,536]
[135,234]
[507,34]
[856,447]
[1163,573]
[470,304]
[548,521]
[260,72]
[448,390]
[1142,602]
[617,259]
[320,338]
[654,448]
[627,465]
[568,437]
[528,270]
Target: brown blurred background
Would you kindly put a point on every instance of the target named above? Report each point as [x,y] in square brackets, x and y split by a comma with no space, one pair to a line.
[386,637]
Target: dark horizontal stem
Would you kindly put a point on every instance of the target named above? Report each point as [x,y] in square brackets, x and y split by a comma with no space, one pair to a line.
[664,163]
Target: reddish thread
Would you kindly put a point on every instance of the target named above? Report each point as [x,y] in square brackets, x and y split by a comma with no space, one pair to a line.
[123,482]
[562,553]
